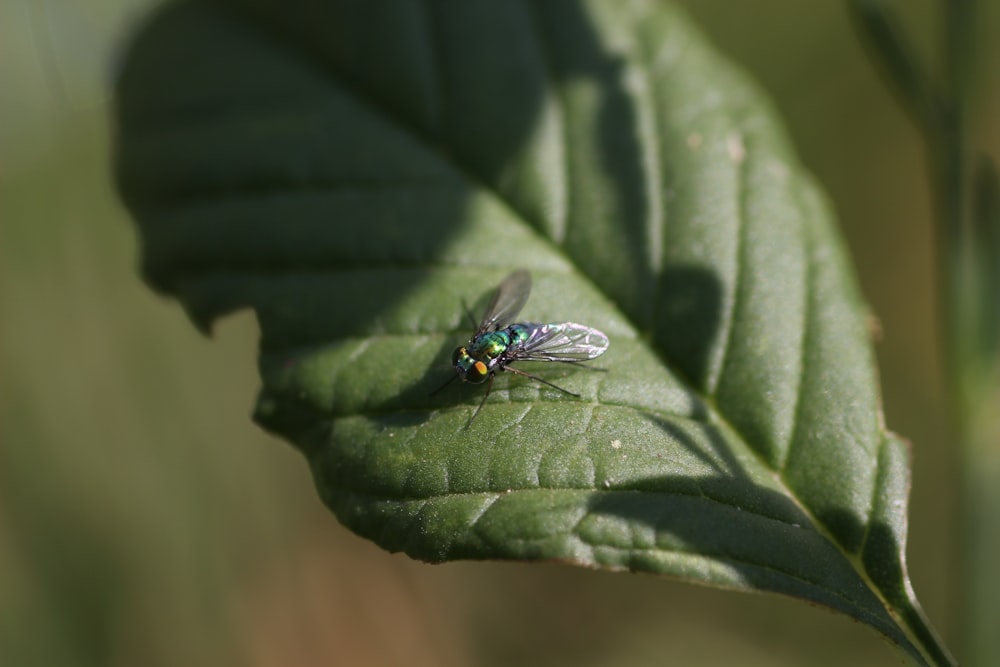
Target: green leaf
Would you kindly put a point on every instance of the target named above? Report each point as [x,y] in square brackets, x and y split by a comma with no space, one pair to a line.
[354,172]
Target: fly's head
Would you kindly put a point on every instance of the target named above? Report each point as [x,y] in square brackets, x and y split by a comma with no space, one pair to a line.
[468,367]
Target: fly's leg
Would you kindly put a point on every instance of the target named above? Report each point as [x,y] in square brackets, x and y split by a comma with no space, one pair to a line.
[468,313]
[535,377]
[444,385]
[581,363]
[489,388]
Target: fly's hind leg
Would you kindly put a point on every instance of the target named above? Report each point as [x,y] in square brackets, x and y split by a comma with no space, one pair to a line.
[535,377]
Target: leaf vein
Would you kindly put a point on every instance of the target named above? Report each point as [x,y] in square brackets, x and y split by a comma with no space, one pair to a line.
[735,296]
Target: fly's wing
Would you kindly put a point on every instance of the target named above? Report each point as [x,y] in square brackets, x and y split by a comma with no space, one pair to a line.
[567,341]
[507,302]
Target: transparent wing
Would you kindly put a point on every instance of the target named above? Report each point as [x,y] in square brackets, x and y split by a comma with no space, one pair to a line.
[566,341]
[507,302]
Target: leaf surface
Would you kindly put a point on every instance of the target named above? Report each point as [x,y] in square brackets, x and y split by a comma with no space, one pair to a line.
[356,172]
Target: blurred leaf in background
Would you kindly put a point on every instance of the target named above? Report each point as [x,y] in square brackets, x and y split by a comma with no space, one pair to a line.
[142,517]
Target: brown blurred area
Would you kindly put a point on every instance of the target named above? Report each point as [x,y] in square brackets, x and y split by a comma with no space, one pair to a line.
[145,520]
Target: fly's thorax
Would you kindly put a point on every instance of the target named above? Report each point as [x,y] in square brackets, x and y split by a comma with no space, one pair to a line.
[490,345]
[518,334]
[468,367]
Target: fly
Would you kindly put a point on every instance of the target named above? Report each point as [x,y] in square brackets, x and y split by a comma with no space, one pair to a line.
[498,342]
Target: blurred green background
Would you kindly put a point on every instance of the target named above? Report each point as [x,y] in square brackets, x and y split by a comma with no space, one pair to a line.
[145,520]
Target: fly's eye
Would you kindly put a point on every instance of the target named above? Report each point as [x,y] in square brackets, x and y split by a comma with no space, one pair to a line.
[456,355]
[477,372]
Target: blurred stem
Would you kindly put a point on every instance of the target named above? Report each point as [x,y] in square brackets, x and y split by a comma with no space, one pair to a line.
[967,210]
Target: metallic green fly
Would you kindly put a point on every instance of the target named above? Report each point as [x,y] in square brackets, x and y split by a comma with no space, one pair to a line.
[498,342]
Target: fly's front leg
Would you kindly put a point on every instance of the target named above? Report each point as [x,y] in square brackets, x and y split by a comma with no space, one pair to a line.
[489,388]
